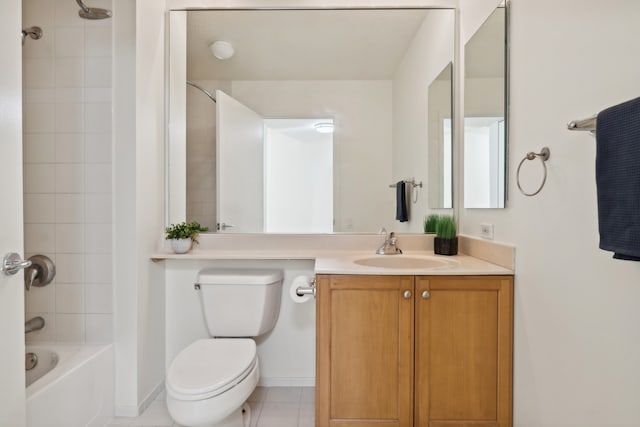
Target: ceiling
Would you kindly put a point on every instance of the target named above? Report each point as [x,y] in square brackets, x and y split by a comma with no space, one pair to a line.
[301,44]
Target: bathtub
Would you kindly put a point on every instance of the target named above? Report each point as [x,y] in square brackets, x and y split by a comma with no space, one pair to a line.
[71,386]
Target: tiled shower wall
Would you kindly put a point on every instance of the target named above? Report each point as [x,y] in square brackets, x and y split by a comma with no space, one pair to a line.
[67,169]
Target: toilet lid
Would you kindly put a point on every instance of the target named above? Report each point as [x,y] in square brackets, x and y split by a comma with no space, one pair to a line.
[209,367]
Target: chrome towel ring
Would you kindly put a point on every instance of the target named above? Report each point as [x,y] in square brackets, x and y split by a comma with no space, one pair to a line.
[543,155]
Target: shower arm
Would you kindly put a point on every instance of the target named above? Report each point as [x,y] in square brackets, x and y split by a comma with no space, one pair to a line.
[83,6]
[203,90]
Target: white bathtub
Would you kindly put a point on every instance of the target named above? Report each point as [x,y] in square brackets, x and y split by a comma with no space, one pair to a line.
[77,392]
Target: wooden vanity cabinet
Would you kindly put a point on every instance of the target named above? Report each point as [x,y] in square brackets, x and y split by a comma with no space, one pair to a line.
[409,351]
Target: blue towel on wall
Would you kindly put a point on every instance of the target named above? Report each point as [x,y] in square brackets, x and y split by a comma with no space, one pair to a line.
[402,214]
[618,179]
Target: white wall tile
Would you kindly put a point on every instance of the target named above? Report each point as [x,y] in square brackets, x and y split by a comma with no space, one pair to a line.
[98,268]
[39,208]
[69,117]
[39,178]
[70,327]
[69,95]
[69,238]
[98,208]
[66,14]
[98,72]
[39,147]
[98,238]
[69,178]
[69,208]
[38,96]
[99,327]
[98,298]
[98,178]
[39,238]
[70,268]
[69,72]
[38,12]
[38,117]
[98,117]
[98,147]
[67,81]
[70,42]
[41,299]
[98,42]
[98,95]
[38,73]
[69,298]
[69,147]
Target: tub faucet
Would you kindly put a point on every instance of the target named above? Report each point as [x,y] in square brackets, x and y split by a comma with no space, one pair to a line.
[389,246]
[34,324]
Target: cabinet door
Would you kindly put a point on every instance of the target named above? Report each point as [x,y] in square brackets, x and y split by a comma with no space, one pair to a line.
[464,351]
[364,351]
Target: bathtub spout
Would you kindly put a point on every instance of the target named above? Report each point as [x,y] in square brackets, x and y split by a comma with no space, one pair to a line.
[34,324]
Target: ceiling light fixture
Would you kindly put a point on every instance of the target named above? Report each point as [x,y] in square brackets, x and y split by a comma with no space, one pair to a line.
[221,49]
[324,127]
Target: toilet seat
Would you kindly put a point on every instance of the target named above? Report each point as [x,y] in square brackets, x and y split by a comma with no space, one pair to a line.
[209,367]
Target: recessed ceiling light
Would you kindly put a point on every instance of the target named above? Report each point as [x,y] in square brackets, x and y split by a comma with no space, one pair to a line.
[221,49]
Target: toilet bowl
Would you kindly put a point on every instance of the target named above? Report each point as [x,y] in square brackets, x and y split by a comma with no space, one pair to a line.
[210,380]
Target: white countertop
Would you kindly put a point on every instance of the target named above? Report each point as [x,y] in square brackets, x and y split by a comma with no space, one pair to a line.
[452,265]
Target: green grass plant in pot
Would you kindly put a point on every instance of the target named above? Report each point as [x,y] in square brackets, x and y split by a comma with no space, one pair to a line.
[183,235]
[446,240]
[430,223]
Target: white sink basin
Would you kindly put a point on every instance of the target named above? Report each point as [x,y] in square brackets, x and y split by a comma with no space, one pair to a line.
[406,262]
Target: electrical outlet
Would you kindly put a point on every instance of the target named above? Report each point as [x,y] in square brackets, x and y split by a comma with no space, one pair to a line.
[486,231]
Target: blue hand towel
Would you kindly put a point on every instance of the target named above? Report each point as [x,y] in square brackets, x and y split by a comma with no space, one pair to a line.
[402,214]
[618,179]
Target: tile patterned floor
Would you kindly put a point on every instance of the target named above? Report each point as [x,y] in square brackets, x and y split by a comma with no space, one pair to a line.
[270,407]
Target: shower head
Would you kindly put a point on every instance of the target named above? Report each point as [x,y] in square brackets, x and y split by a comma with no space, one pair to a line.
[87,12]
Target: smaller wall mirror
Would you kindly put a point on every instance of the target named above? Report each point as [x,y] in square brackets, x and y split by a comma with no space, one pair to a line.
[440,140]
[485,135]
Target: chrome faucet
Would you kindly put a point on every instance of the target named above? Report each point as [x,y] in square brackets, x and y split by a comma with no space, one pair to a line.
[389,246]
[34,324]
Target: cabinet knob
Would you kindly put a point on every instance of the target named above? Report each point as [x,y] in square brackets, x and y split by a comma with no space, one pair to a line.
[425,294]
[407,294]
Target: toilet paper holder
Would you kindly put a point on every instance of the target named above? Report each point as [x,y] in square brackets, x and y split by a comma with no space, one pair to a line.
[307,290]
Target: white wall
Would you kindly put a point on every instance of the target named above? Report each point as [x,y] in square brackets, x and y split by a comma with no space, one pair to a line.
[577,343]
[362,140]
[138,202]
[67,170]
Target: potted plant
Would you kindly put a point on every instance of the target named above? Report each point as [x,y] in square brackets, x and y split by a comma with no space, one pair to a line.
[446,241]
[183,235]
[430,223]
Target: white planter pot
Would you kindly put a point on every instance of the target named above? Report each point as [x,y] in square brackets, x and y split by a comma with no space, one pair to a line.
[181,246]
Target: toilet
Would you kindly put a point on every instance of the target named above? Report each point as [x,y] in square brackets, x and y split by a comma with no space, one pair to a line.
[209,382]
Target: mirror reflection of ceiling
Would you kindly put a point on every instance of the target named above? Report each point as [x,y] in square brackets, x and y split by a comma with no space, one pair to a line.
[483,56]
[265,50]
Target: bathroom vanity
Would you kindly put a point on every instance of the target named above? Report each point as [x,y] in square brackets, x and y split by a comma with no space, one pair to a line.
[414,350]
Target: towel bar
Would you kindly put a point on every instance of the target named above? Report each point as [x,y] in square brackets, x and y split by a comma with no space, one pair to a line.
[584,124]
[412,183]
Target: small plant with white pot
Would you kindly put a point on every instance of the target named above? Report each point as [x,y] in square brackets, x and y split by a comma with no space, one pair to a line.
[183,235]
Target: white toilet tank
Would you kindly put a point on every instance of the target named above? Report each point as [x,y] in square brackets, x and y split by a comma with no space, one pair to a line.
[240,302]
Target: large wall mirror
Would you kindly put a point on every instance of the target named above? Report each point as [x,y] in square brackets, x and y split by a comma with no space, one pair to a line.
[485,115]
[317,115]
